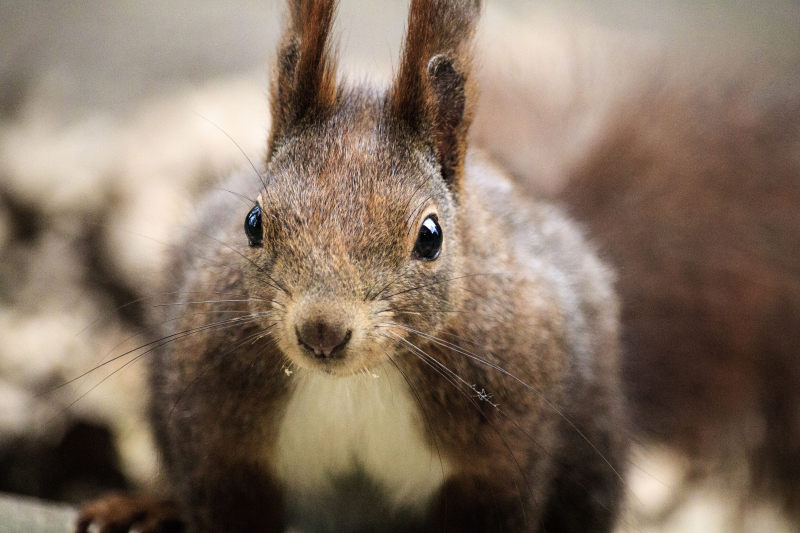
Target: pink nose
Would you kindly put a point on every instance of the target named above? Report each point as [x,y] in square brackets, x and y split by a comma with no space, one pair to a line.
[323,339]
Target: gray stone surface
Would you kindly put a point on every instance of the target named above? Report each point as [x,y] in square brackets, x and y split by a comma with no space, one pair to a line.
[26,515]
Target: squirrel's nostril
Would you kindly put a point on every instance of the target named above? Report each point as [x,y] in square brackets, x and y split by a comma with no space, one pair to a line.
[323,339]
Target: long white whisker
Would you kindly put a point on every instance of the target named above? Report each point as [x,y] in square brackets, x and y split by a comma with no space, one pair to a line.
[543,397]
[427,359]
[253,338]
[157,344]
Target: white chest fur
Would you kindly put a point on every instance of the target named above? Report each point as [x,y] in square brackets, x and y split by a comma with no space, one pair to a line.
[336,426]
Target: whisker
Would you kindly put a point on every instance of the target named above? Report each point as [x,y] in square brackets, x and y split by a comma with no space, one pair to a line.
[483,397]
[254,337]
[166,340]
[153,296]
[154,344]
[414,214]
[274,283]
[427,359]
[174,319]
[198,302]
[237,145]
[246,199]
[432,362]
[373,297]
[544,398]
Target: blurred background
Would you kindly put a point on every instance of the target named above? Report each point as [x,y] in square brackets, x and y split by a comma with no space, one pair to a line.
[114,116]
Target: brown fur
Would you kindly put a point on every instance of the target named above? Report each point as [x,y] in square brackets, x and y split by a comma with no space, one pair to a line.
[432,91]
[691,186]
[304,77]
[532,435]
[700,215]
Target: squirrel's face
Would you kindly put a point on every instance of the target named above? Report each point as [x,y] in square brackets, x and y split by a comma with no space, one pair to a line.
[353,240]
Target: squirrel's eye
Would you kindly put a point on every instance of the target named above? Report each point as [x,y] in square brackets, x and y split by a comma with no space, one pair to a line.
[429,240]
[252,227]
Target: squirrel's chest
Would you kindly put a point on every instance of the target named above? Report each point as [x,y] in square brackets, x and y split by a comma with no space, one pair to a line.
[345,441]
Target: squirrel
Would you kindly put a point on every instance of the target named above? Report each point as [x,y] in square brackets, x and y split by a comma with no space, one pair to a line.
[398,339]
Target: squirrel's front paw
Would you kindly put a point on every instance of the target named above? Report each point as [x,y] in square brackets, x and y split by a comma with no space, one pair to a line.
[120,513]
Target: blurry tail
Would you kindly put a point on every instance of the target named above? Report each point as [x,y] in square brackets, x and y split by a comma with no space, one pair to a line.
[689,183]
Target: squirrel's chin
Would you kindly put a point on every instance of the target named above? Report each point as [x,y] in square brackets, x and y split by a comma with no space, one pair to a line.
[348,364]
[337,370]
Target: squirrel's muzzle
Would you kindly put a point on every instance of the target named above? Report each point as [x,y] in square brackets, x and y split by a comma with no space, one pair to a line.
[327,334]
[323,339]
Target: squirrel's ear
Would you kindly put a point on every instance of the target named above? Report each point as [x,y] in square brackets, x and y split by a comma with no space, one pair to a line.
[304,76]
[432,91]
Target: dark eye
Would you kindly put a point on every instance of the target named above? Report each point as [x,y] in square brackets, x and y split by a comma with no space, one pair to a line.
[252,227]
[429,240]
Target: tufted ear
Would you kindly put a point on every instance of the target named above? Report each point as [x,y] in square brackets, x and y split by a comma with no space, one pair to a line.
[304,75]
[432,92]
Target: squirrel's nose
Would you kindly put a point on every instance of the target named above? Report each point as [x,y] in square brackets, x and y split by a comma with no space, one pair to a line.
[323,339]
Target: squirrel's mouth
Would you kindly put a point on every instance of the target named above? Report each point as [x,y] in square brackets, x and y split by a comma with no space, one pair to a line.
[338,367]
[356,355]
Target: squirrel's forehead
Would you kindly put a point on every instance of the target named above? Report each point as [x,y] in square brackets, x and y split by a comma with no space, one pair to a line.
[340,152]
[355,177]
[355,203]
[361,184]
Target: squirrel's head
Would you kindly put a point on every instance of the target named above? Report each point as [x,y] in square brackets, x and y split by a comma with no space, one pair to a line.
[355,240]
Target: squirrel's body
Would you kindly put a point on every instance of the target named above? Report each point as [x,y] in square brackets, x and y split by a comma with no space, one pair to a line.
[534,301]
[408,343]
